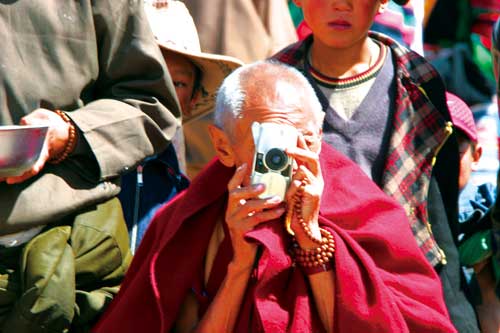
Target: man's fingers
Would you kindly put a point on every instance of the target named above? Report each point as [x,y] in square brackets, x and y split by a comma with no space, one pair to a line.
[237,178]
[19,179]
[241,195]
[305,173]
[35,170]
[250,207]
[264,216]
[294,186]
[305,157]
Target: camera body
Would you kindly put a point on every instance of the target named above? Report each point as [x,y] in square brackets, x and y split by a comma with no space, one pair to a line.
[271,165]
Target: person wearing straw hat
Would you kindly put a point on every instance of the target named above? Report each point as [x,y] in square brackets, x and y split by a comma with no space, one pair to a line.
[196,76]
[177,37]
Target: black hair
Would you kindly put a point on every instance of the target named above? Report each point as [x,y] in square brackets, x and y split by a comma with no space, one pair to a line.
[461,136]
[197,80]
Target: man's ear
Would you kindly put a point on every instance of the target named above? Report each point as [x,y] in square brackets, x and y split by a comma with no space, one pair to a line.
[222,145]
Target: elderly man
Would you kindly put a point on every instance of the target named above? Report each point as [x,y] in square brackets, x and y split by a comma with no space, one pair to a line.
[219,257]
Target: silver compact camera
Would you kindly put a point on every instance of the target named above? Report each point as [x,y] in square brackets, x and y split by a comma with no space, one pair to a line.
[271,165]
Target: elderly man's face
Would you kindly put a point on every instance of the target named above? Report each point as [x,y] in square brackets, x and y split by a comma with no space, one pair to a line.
[260,106]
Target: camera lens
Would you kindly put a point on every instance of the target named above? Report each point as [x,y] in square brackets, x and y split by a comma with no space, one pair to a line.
[276,159]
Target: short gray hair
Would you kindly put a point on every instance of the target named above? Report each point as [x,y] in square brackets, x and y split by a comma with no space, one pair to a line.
[231,96]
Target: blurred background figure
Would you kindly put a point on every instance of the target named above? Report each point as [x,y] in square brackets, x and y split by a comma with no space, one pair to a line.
[196,76]
[475,201]
[486,120]
[457,40]
[495,213]
[249,30]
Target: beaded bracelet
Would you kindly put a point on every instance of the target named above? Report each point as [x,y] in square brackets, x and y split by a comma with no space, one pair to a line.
[70,144]
[320,258]
[317,269]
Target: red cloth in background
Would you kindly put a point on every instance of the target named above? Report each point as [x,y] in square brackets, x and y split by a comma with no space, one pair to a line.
[383,281]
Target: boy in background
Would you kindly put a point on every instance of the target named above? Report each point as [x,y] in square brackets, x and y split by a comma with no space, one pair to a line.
[196,76]
[475,239]
[386,109]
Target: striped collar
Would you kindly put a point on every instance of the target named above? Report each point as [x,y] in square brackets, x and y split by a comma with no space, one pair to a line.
[348,82]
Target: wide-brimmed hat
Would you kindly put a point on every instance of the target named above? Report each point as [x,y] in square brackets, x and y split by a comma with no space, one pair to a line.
[461,116]
[175,31]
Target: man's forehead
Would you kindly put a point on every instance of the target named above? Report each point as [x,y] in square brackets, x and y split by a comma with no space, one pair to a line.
[289,115]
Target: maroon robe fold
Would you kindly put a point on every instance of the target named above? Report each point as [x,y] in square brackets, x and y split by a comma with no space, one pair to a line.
[383,282]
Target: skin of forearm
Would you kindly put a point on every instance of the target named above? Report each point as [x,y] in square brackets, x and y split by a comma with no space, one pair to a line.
[223,311]
[322,284]
[323,288]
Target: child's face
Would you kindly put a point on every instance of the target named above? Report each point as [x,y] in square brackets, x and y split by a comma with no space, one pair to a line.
[183,73]
[340,23]
[469,157]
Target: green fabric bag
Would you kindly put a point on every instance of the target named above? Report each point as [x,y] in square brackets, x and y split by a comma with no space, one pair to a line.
[62,279]
[476,248]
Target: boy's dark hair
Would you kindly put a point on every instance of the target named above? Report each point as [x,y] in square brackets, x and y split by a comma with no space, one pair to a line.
[461,136]
[401,2]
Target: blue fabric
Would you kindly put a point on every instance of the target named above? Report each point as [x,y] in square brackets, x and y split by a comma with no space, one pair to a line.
[161,180]
[475,199]
[475,218]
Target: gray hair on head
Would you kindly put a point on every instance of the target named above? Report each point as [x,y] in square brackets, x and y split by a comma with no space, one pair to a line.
[263,76]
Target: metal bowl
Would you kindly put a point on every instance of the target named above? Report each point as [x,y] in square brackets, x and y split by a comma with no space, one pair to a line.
[20,147]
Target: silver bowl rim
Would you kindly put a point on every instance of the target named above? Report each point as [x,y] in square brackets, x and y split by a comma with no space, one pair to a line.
[17,127]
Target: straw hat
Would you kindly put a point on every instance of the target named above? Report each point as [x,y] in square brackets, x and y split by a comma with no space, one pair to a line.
[175,31]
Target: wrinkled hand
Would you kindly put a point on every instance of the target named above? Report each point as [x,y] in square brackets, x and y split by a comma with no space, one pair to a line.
[308,167]
[55,141]
[244,212]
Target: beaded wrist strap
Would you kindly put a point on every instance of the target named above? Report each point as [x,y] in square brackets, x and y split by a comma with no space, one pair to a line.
[70,144]
[318,259]
[317,269]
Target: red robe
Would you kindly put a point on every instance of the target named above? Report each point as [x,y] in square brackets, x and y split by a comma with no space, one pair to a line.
[383,282]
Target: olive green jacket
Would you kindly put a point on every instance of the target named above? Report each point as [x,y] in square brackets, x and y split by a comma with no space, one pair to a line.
[63,279]
[98,61]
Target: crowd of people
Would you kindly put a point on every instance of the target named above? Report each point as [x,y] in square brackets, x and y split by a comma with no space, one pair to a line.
[142,212]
